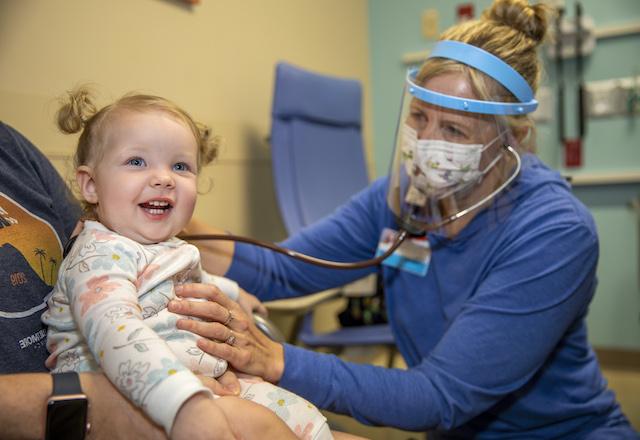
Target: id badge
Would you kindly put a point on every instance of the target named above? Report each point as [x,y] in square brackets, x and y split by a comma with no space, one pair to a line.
[413,255]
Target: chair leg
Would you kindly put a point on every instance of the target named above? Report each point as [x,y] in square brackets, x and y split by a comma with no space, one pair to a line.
[295,330]
[392,355]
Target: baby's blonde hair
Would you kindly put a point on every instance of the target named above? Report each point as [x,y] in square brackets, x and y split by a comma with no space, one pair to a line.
[78,113]
[512,30]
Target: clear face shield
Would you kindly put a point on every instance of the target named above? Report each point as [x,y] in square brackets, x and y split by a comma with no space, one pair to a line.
[454,153]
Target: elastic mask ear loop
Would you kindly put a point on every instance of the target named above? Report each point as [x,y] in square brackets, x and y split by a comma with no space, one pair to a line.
[496,159]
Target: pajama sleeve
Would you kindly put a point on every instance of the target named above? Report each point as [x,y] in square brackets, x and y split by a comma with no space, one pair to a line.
[226,286]
[101,284]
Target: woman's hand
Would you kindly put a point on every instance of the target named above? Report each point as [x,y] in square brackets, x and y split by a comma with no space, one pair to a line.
[230,333]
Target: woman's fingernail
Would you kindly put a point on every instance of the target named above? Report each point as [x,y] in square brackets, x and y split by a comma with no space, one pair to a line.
[179,289]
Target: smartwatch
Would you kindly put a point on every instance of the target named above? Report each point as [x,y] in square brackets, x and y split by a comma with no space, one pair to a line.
[67,409]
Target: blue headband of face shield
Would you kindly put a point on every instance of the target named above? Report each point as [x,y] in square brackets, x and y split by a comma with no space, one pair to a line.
[490,65]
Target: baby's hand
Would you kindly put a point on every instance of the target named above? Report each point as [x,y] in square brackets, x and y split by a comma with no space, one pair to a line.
[225,385]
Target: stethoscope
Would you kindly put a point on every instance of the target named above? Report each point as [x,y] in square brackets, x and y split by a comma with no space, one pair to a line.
[404,232]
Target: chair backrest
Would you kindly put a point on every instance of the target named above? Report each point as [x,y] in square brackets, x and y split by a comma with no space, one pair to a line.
[316,144]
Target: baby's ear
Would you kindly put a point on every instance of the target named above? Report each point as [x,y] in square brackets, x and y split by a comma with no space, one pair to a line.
[86,184]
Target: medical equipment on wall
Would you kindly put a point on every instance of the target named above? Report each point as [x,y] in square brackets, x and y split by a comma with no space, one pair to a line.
[580,33]
[453,154]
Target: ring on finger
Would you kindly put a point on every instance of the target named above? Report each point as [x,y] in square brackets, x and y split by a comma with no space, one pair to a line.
[229,318]
[231,339]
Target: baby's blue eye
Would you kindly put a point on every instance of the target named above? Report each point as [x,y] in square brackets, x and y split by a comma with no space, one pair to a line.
[181,166]
[136,162]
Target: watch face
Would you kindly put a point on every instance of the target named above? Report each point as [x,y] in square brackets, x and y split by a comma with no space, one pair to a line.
[66,418]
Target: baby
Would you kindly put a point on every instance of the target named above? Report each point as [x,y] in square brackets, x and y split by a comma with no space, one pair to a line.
[137,165]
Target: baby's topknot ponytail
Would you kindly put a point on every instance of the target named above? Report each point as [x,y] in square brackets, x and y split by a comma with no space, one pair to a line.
[76,109]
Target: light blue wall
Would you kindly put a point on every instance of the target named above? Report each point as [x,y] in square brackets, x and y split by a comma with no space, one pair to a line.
[611,144]
[395,29]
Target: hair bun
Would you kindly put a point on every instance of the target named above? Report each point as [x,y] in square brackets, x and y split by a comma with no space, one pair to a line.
[531,20]
[208,144]
[77,107]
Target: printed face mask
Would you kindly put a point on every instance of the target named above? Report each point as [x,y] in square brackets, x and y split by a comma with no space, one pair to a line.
[438,165]
[408,146]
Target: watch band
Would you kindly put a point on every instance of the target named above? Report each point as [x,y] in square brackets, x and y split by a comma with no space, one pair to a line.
[67,409]
[66,383]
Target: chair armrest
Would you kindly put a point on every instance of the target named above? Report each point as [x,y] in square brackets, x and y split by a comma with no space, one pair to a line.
[303,304]
[366,286]
[288,314]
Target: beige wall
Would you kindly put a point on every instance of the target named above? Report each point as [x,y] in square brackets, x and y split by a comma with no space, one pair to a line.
[215,59]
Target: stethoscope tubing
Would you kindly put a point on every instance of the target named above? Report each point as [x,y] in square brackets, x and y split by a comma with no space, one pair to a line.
[399,238]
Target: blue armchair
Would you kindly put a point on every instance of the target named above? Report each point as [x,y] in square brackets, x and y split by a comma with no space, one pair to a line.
[318,163]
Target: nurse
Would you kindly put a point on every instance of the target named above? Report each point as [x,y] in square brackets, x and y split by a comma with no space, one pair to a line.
[492,322]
